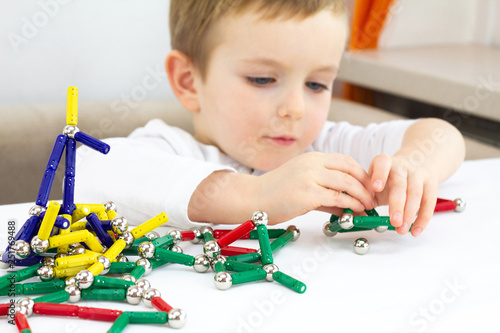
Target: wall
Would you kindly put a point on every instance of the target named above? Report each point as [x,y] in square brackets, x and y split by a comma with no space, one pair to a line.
[110,50]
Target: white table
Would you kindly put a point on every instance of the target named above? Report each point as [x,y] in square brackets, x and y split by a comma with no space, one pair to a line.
[446,280]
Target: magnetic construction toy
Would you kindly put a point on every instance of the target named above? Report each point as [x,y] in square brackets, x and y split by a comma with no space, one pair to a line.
[72,247]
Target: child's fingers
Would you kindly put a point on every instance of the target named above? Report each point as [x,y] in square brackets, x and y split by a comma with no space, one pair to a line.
[334,198]
[413,198]
[426,209]
[397,198]
[379,171]
[343,182]
[349,166]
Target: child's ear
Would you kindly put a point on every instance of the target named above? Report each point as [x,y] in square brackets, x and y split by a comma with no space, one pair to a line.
[181,74]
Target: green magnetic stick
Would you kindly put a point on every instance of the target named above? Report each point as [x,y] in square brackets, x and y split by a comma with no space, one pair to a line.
[15,290]
[208,236]
[371,221]
[171,256]
[155,263]
[120,323]
[56,297]
[219,267]
[273,233]
[142,317]
[354,229]
[104,282]
[247,257]
[138,272]
[104,294]
[163,241]
[281,241]
[371,212]
[334,226]
[28,272]
[35,288]
[266,255]
[237,266]
[249,276]
[121,267]
[289,282]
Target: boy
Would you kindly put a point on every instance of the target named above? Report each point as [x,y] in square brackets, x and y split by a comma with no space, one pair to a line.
[257,77]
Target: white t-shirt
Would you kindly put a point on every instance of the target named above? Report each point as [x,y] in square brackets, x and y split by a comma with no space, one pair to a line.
[157,168]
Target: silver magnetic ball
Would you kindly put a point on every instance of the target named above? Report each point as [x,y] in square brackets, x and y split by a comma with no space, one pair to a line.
[201,263]
[176,235]
[80,249]
[106,263]
[327,231]
[122,258]
[128,277]
[197,235]
[110,205]
[84,279]
[46,273]
[143,284]
[381,228]
[148,296]
[75,294]
[361,246]
[177,249]
[223,280]
[152,235]
[36,210]
[60,255]
[70,131]
[21,249]
[146,264]
[39,246]
[134,295]
[24,310]
[270,270]
[259,218]
[206,229]
[346,221]
[128,238]
[119,225]
[460,205]
[28,303]
[176,318]
[146,250]
[295,230]
[70,280]
[49,261]
[3,265]
[211,249]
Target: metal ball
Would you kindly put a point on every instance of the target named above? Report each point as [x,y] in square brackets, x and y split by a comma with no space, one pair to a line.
[381,228]
[144,284]
[177,249]
[70,131]
[119,225]
[295,230]
[46,273]
[70,280]
[460,205]
[148,296]
[223,280]
[24,310]
[110,205]
[270,270]
[205,229]
[36,210]
[176,235]
[134,295]
[146,264]
[327,231]
[260,218]
[128,238]
[128,277]
[176,318]
[80,249]
[49,261]
[346,221]
[146,250]
[21,249]
[197,235]
[28,303]
[106,263]
[214,261]
[201,263]
[121,258]
[60,255]
[39,246]
[3,265]
[361,246]
[75,294]
[84,279]
[152,235]
[211,249]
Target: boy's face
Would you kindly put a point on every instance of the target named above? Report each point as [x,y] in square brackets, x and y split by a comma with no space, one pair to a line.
[267,90]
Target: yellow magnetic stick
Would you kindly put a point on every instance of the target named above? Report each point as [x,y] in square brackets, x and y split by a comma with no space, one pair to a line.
[80,212]
[70,271]
[49,220]
[94,208]
[101,215]
[149,225]
[96,268]
[79,226]
[72,237]
[115,249]
[112,235]
[111,214]
[93,243]
[72,109]
[88,258]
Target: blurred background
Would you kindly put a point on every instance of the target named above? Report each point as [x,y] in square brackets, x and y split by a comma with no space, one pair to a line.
[405,59]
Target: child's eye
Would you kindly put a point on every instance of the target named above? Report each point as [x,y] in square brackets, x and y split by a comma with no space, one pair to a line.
[316,86]
[260,81]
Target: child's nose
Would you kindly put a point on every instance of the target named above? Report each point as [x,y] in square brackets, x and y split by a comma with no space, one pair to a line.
[293,105]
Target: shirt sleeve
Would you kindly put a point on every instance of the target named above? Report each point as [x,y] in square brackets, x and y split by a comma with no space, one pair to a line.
[362,143]
[143,176]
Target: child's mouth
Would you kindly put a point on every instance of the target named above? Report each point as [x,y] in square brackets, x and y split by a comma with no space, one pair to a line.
[283,140]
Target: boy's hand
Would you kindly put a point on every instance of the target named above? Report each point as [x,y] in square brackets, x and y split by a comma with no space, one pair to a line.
[314,181]
[407,188]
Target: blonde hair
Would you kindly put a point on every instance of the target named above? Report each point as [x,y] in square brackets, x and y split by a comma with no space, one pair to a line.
[192,20]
